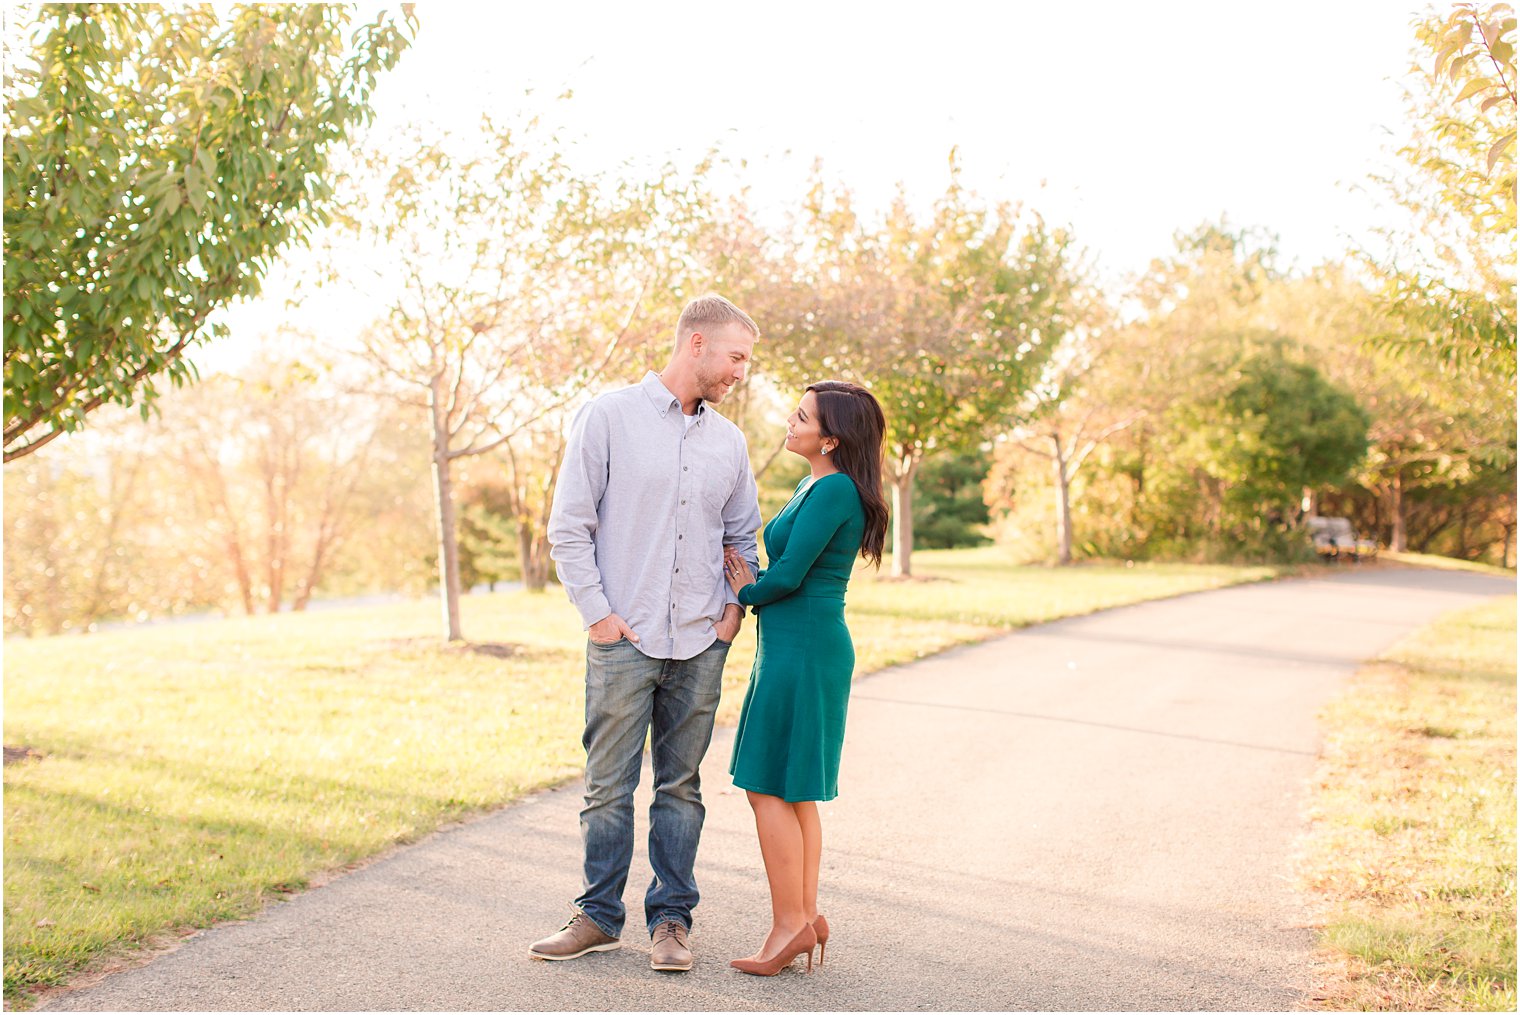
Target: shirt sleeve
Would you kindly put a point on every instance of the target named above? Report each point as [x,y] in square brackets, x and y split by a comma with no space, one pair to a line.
[741,520]
[828,506]
[573,518]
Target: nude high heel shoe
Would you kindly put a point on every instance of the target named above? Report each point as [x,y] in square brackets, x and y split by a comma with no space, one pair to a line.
[802,944]
[821,928]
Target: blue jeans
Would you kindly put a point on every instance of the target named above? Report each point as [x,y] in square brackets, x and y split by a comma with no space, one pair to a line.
[627,693]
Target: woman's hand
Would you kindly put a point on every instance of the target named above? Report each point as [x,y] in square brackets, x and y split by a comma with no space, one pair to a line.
[736,569]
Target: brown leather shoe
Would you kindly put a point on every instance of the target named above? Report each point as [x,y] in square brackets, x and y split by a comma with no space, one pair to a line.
[575,939]
[668,951]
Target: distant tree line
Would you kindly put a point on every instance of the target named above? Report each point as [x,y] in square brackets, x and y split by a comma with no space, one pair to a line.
[1201,413]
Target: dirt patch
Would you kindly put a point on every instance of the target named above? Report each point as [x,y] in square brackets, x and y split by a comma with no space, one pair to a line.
[15,755]
[494,649]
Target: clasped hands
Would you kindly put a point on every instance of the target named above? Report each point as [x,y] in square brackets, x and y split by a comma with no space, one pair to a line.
[736,569]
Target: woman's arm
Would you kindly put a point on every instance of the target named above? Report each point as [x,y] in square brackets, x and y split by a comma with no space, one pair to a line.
[829,505]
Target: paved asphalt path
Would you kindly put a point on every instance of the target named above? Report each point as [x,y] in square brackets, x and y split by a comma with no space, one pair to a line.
[1097,813]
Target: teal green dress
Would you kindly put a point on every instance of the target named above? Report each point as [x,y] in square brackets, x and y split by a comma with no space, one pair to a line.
[791,729]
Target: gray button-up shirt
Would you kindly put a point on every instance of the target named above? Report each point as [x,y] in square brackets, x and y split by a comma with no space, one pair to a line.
[642,510]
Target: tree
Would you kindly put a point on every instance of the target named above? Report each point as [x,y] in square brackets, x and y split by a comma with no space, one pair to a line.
[244,493]
[951,509]
[1107,391]
[1279,428]
[486,530]
[1081,401]
[73,538]
[156,161]
[519,284]
[1449,278]
[1431,426]
[272,462]
[533,462]
[947,320]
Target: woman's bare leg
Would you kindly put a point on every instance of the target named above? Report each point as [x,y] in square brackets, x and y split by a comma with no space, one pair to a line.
[812,853]
[781,847]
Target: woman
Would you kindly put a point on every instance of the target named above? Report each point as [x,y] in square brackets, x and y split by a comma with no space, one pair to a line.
[786,750]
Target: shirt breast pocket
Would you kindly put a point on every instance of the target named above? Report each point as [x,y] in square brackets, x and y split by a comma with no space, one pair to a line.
[717,487]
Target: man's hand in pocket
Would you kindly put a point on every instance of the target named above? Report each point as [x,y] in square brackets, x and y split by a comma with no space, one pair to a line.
[728,627]
[609,629]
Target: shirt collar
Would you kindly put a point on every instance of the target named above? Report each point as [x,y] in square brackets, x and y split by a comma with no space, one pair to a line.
[664,399]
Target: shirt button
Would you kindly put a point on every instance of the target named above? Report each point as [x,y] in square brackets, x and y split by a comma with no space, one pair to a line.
[680,537]
[678,570]
[685,468]
[683,502]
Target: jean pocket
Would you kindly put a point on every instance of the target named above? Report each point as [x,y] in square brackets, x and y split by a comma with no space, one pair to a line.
[606,644]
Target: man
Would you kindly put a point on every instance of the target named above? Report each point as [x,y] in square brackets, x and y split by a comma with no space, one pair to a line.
[654,485]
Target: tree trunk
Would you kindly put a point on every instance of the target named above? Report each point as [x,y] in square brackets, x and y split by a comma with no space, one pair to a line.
[448,532]
[902,516]
[541,563]
[276,501]
[319,552]
[1398,543]
[232,536]
[532,555]
[1138,480]
[1063,505]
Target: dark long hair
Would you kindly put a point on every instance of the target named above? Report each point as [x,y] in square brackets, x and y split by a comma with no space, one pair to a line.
[851,415]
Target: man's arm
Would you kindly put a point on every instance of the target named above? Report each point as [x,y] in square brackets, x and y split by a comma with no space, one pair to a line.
[741,520]
[573,518]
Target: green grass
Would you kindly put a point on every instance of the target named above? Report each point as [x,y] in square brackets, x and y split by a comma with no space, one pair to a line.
[1445,563]
[1412,850]
[191,772]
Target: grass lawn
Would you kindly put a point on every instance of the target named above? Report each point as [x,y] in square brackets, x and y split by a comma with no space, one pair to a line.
[190,772]
[1412,849]
[1445,563]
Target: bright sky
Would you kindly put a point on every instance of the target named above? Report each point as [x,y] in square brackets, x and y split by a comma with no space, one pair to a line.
[1127,121]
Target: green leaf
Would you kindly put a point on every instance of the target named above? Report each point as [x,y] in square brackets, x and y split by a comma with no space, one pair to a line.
[195,187]
[124,107]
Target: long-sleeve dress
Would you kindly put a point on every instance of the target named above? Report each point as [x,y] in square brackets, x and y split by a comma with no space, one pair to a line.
[791,728]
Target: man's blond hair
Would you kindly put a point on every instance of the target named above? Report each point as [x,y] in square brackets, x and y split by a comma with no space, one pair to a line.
[708,312]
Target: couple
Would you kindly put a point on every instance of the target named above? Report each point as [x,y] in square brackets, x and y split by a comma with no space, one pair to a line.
[653,532]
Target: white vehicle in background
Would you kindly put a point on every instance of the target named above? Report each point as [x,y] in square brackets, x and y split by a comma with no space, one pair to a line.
[1335,539]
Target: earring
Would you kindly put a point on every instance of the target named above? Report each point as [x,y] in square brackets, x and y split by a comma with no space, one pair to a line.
[827,450]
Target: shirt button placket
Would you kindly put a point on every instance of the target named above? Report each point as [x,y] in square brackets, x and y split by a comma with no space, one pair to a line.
[680,521]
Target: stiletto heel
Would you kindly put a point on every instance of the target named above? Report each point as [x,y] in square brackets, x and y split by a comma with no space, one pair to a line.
[803,943]
[821,928]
